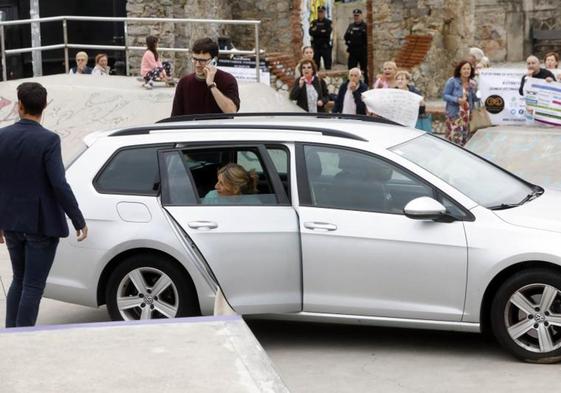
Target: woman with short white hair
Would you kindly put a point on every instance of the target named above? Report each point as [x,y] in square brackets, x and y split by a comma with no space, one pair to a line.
[81,64]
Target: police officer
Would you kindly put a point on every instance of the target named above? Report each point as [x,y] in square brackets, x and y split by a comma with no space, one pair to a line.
[320,31]
[356,40]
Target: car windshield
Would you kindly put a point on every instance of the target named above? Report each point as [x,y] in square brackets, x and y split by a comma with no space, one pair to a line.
[484,183]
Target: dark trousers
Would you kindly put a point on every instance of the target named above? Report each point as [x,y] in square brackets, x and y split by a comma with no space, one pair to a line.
[32,257]
[359,58]
[320,52]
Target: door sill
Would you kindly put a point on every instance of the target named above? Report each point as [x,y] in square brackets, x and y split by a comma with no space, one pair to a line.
[374,321]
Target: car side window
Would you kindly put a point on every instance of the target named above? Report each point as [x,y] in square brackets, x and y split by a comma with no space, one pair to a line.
[130,171]
[217,176]
[345,179]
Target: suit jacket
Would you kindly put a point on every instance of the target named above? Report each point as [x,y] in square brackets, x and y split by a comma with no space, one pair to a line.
[34,194]
[357,95]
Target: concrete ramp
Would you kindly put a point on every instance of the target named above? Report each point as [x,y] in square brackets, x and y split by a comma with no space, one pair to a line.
[80,104]
[531,152]
[206,355]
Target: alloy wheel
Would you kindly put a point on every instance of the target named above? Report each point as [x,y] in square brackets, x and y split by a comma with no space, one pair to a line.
[532,317]
[147,293]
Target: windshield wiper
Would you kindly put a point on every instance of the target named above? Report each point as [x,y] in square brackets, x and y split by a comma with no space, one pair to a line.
[536,192]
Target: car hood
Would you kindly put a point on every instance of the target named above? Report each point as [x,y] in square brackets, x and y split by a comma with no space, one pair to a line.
[542,213]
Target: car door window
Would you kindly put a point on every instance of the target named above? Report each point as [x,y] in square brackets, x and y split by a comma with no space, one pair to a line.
[345,179]
[130,171]
[192,176]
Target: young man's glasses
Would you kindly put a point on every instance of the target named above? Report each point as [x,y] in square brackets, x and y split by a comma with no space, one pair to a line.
[201,61]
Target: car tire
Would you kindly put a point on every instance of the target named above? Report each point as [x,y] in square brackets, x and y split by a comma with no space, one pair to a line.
[526,315]
[148,286]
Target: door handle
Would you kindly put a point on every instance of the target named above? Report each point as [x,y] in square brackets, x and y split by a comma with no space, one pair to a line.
[204,225]
[320,226]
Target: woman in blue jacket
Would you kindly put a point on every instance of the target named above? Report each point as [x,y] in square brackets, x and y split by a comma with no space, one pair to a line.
[460,97]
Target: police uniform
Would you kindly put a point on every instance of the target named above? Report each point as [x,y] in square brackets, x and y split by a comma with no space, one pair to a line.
[320,31]
[356,40]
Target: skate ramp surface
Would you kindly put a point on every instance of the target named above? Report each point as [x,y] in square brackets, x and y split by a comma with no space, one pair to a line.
[531,152]
[80,104]
[195,355]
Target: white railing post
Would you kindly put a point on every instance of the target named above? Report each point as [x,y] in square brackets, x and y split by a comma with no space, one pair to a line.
[257,50]
[126,33]
[65,37]
[36,55]
[3,49]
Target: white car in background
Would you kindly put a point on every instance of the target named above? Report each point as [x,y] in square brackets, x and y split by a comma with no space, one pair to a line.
[355,221]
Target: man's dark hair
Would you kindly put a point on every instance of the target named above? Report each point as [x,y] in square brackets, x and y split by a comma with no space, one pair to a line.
[33,97]
[459,66]
[205,45]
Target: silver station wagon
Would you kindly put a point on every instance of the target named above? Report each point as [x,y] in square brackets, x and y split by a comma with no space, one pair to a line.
[353,220]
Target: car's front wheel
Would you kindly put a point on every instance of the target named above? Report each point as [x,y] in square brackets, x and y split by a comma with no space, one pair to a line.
[149,287]
[526,315]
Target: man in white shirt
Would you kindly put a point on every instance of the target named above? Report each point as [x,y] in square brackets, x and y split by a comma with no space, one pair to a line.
[349,100]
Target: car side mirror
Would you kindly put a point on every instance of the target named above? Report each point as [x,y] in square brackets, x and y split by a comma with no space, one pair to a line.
[425,208]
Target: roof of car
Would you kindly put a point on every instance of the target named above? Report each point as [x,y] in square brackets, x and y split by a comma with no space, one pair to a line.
[382,132]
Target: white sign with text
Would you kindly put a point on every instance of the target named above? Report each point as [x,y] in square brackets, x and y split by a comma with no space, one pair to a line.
[398,105]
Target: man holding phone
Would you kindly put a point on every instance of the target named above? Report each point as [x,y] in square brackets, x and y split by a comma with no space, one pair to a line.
[208,89]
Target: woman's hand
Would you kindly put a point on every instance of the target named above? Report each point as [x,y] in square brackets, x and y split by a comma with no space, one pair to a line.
[302,81]
[462,101]
[320,103]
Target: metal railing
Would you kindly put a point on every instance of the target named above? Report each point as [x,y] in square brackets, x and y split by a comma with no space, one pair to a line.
[127,48]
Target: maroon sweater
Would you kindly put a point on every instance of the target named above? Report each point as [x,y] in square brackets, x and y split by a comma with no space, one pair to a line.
[192,96]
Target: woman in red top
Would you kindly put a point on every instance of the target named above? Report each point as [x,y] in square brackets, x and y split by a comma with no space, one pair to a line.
[151,68]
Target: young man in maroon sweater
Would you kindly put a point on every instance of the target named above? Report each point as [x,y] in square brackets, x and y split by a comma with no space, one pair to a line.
[208,89]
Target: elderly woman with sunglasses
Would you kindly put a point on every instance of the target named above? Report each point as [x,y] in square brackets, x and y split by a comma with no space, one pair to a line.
[309,91]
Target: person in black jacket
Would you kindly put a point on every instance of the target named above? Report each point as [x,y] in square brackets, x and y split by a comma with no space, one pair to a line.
[320,31]
[357,44]
[309,91]
[34,196]
[535,71]
[349,99]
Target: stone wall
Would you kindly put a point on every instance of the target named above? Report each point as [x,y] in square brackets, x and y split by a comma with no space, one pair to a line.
[503,27]
[449,22]
[275,32]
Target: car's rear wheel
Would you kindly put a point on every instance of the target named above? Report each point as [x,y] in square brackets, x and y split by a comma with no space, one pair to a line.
[149,287]
[526,315]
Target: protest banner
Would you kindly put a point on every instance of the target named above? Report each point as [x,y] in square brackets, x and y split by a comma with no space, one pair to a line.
[543,101]
[398,105]
[498,88]
[243,69]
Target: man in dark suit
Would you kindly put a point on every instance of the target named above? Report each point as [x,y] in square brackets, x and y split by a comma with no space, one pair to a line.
[34,196]
[356,38]
[320,32]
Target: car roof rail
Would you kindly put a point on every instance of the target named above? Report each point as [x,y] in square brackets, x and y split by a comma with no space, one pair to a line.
[319,115]
[143,130]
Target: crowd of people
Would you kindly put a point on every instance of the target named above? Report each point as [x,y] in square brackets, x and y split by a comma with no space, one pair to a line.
[460,93]
[210,90]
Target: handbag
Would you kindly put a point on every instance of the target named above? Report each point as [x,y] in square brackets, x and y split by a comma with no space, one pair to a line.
[479,119]
[424,122]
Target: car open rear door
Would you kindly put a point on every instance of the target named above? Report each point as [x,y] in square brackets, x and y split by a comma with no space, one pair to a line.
[252,249]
